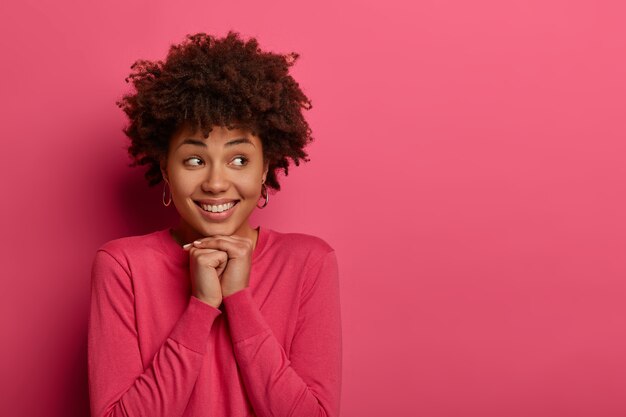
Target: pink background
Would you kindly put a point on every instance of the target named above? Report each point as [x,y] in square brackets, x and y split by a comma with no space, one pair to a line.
[468,168]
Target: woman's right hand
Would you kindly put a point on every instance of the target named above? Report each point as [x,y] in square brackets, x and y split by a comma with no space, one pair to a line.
[206,267]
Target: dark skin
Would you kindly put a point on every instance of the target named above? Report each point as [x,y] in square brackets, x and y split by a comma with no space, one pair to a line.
[228,164]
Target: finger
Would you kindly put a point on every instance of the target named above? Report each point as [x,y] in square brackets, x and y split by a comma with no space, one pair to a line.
[237,237]
[234,247]
[189,246]
[197,242]
[207,257]
[199,251]
[245,241]
[233,238]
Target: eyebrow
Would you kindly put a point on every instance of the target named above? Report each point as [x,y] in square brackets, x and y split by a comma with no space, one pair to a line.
[198,142]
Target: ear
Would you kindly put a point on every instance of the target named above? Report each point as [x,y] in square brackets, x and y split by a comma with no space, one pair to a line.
[265,169]
[163,165]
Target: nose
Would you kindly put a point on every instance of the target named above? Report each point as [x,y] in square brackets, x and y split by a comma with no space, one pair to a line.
[216,180]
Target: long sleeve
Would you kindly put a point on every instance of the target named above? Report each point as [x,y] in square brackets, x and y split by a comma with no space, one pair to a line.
[118,383]
[308,383]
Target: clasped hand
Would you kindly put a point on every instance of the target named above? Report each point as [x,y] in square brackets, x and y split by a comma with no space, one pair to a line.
[219,266]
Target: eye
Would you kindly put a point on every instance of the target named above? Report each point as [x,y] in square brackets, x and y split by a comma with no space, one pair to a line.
[193,158]
[244,160]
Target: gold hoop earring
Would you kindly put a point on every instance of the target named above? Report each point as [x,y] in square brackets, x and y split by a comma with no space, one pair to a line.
[265,195]
[163,198]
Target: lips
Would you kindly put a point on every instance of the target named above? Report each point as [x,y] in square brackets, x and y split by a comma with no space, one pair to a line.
[217,216]
[215,202]
[200,203]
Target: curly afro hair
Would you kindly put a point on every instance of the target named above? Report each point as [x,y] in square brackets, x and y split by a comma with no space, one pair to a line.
[207,81]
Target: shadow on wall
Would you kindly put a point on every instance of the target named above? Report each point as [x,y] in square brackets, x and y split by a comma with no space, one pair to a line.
[76,403]
[125,206]
[140,207]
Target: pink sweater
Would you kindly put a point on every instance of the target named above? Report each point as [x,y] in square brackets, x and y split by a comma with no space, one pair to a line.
[272,349]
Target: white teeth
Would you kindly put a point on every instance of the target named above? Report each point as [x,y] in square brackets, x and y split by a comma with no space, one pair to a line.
[217,209]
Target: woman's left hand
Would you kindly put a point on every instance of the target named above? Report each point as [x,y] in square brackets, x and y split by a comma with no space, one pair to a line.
[236,275]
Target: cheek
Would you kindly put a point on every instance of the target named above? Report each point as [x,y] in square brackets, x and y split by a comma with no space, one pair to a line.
[182,184]
[252,187]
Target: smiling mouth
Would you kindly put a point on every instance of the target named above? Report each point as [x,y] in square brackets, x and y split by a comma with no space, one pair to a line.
[218,208]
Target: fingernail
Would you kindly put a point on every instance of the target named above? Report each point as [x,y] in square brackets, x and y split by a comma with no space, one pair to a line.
[186,246]
[197,242]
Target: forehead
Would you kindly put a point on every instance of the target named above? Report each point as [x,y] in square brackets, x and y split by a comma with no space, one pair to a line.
[219,135]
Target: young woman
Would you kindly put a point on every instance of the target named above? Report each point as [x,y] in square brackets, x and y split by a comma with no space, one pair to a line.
[213,317]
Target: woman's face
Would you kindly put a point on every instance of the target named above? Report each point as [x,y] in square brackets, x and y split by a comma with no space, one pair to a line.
[225,168]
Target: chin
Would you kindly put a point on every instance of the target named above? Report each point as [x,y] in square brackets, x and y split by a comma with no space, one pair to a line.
[218,229]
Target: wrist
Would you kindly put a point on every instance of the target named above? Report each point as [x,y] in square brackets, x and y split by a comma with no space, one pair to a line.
[213,302]
[228,292]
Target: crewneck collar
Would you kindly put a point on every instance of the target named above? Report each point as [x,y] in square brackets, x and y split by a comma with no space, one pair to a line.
[181,256]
